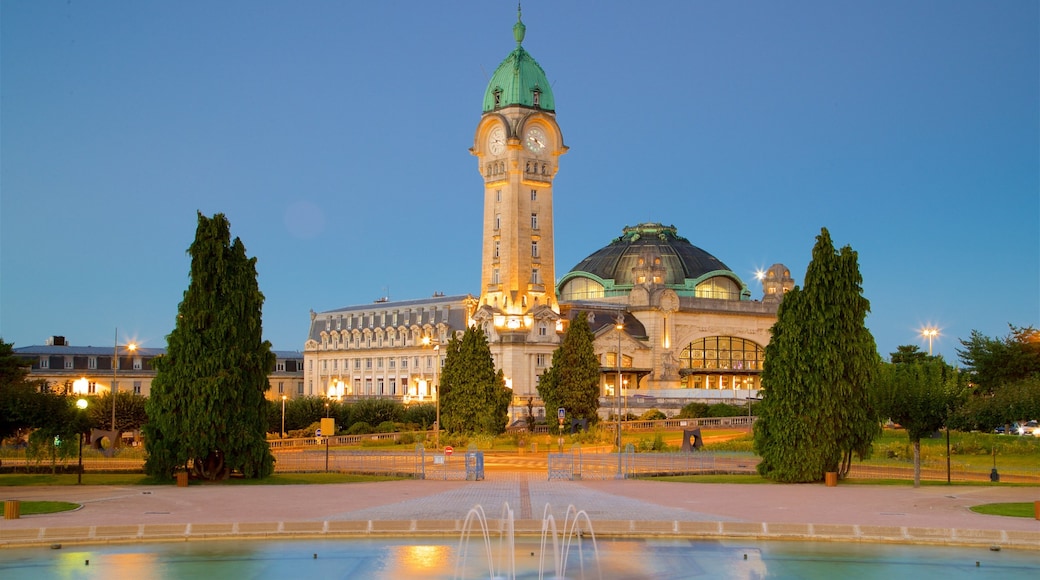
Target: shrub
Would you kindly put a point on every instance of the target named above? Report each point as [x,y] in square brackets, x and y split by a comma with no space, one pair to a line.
[655,444]
[386,427]
[652,415]
[694,411]
[360,428]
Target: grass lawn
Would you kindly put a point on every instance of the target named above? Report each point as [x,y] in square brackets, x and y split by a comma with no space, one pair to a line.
[1016,510]
[31,508]
[20,479]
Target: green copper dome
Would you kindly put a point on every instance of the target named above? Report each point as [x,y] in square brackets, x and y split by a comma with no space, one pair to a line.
[519,80]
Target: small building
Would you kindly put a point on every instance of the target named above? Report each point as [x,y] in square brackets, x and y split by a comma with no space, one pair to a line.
[93,370]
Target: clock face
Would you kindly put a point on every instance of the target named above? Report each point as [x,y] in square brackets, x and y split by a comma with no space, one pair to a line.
[497,141]
[535,140]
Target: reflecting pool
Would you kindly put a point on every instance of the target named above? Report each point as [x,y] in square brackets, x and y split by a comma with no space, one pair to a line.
[437,558]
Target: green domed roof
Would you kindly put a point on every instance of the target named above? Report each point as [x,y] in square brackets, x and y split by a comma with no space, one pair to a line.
[519,80]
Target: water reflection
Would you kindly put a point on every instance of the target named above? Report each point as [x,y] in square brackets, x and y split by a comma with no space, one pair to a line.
[435,559]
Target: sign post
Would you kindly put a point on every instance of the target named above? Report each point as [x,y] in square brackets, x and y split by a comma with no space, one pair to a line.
[561,413]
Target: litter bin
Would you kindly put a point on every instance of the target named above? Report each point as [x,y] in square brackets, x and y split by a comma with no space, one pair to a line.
[12,509]
[474,465]
[831,478]
[182,479]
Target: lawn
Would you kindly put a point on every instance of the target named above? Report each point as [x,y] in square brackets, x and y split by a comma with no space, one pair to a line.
[1016,510]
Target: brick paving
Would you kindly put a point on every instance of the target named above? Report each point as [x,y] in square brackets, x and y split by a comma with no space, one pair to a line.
[813,511]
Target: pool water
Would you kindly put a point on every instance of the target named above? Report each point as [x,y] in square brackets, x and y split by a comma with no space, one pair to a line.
[418,558]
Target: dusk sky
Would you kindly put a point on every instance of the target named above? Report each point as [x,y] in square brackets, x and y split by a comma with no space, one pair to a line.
[335,135]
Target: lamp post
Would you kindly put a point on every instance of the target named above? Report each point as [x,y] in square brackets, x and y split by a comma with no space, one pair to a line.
[437,395]
[81,404]
[283,417]
[930,333]
[435,391]
[115,370]
[617,391]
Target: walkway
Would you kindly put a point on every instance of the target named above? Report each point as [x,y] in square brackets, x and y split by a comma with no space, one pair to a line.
[932,514]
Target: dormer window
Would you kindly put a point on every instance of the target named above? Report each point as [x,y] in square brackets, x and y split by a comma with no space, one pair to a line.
[498,98]
[537,94]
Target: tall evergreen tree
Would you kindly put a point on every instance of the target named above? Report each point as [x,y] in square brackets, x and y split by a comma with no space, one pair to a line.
[816,409]
[572,382]
[474,397]
[207,406]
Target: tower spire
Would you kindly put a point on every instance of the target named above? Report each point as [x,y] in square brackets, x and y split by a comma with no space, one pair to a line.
[519,29]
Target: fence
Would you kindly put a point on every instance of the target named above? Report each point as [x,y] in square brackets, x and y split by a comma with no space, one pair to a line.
[578,465]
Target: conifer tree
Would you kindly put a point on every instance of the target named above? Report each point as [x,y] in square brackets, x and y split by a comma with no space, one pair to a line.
[207,406]
[572,382]
[820,365]
[474,397]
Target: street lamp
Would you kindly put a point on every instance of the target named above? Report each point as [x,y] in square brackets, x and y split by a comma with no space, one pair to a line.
[930,333]
[283,418]
[81,404]
[435,391]
[115,370]
[620,326]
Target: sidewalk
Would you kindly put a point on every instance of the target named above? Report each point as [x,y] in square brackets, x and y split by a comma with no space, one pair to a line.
[932,514]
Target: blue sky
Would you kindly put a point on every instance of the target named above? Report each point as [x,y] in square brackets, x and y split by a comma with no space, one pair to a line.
[334,136]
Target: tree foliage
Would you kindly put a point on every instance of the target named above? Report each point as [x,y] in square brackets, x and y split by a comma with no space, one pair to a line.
[572,382]
[474,397]
[920,395]
[25,403]
[130,411]
[995,363]
[816,410]
[207,409]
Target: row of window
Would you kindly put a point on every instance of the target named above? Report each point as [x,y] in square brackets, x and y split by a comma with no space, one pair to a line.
[299,387]
[92,387]
[396,318]
[534,221]
[536,276]
[69,363]
[534,248]
[388,337]
[378,362]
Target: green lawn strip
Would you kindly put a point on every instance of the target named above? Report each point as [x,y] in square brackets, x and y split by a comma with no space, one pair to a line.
[31,508]
[1012,509]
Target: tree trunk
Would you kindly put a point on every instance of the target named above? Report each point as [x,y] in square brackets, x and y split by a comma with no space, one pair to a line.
[917,463]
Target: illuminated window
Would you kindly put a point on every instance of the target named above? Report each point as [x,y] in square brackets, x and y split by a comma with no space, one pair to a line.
[719,287]
[581,288]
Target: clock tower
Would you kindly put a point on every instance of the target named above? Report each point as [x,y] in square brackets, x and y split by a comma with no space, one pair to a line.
[518,145]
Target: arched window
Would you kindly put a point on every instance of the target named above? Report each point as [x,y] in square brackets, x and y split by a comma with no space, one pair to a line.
[721,362]
[719,287]
[581,289]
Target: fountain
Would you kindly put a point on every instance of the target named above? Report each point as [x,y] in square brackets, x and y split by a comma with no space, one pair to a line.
[506,560]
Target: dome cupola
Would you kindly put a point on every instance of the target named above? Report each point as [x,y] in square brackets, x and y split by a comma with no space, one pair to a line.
[651,254]
[519,80]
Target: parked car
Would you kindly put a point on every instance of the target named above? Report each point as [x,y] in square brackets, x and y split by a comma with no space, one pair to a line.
[1001,430]
[1029,428]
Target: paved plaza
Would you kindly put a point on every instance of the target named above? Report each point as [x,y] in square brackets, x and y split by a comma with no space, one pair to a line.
[931,514]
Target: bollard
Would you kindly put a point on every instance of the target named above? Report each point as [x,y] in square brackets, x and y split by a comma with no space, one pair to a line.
[12,509]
